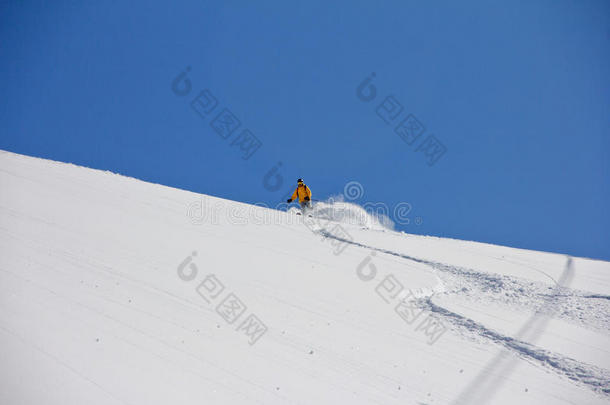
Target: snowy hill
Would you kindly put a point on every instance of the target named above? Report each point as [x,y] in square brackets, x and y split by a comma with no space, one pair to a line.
[117,291]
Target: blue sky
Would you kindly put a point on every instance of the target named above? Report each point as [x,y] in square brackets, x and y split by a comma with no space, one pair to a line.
[518,92]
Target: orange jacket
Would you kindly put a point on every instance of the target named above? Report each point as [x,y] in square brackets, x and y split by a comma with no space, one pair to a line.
[301,192]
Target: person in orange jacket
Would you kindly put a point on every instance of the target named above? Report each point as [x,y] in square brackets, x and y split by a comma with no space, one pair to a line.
[303,193]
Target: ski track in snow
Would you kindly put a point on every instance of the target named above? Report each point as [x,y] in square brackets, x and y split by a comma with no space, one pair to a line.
[544,301]
[89,287]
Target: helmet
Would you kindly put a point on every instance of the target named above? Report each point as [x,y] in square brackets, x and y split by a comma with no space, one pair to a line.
[300,181]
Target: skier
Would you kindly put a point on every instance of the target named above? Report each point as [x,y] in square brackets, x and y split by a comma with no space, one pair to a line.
[303,193]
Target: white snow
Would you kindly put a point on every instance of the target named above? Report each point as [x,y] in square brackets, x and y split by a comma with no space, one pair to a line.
[96,305]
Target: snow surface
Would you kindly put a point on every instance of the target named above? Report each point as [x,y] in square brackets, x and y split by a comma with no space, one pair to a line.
[103,279]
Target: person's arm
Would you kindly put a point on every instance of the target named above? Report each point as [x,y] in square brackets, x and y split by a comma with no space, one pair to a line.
[307,194]
[294,196]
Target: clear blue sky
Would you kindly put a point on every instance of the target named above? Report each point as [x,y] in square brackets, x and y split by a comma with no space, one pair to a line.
[517,91]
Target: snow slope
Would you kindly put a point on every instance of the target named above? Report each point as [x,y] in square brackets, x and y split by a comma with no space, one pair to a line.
[117,291]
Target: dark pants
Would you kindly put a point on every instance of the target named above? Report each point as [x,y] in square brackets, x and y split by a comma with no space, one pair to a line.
[305,205]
